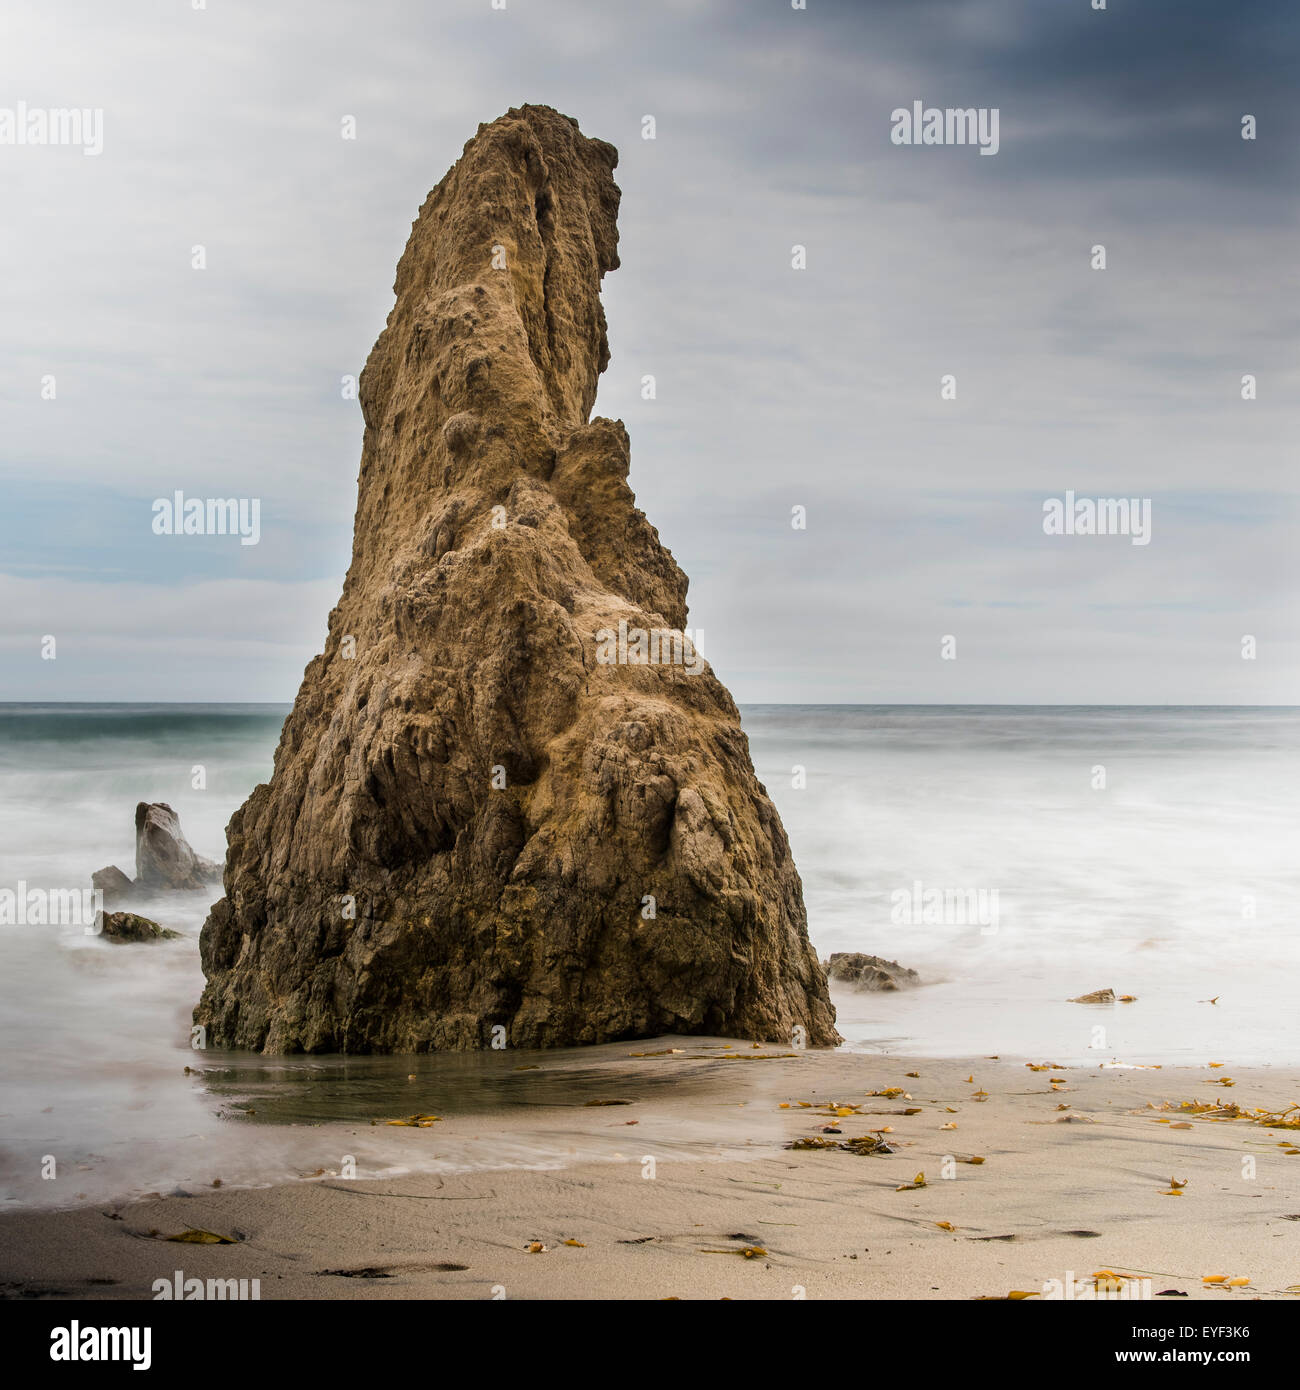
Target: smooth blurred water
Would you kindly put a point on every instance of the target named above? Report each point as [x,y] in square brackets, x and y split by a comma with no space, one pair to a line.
[1144,886]
[1177,882]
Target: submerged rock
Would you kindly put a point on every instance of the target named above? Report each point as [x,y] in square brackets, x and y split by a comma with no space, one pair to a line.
[129,926]
[163,857]
[1098,996]
[113,884]
[512,802]
[869,972]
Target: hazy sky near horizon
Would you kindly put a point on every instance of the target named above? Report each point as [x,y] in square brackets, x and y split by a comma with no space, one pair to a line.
[776,387]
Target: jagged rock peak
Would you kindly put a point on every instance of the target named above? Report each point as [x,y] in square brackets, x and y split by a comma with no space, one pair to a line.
[490,819]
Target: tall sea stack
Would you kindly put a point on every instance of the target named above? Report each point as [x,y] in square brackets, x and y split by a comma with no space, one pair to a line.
[493,808]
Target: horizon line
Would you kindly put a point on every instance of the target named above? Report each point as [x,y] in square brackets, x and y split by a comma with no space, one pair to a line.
[780,704]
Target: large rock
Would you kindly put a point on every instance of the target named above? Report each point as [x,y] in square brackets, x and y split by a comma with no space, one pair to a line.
[163,857]
[869,972]
[478,821]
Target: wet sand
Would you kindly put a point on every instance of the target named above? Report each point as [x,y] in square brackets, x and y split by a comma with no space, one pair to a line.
[1075,1179]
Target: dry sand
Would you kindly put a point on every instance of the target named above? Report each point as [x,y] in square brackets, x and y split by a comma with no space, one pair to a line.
[1053,1196]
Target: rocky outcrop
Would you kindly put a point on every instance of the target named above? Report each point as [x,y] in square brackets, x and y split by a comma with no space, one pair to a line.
[163,857]
[869,972]
[512,802]
[164,860]
[121,927]
[113,884]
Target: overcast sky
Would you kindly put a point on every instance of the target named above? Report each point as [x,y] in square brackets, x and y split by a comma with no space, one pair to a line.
[776,387]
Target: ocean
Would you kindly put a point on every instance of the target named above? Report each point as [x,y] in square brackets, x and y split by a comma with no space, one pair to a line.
[1015,857]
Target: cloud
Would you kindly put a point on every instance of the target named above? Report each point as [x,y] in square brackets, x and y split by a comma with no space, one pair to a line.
[230,639]
[775,386]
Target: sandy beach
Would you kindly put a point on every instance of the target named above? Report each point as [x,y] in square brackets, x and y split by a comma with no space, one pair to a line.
[1075,1178]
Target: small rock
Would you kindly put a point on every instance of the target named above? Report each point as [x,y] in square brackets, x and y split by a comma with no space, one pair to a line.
[129,926]
[113,884]
[869,972]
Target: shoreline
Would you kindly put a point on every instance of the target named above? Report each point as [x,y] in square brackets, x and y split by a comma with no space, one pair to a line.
[1075,1179]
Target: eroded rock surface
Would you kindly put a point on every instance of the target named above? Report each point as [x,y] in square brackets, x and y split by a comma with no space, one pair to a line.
[869,972]
[163,857]
[478,820]
[122,927]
